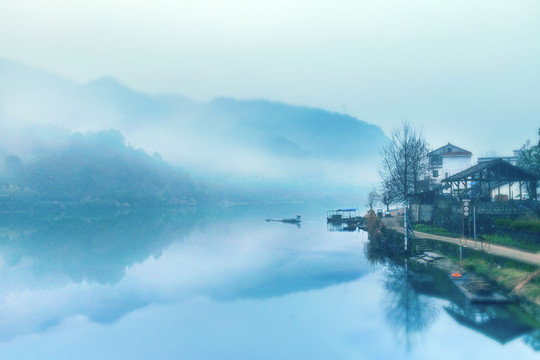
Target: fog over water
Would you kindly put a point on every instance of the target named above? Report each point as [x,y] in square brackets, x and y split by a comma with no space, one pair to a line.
[224,283]
[144,143]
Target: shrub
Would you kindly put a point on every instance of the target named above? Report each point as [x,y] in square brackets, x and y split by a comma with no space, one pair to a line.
[503,223]
[430,229]
[532,225]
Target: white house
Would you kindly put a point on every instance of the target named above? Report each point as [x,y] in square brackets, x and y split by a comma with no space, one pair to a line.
[447,161]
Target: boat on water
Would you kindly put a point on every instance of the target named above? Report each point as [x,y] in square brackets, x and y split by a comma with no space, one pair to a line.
[296,220]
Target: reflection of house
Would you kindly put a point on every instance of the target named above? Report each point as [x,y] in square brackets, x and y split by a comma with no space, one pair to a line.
[495,323]
[448,160]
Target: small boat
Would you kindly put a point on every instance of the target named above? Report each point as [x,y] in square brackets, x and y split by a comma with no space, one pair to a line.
[296,220]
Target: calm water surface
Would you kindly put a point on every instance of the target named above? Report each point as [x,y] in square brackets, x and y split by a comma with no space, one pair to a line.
[226,284]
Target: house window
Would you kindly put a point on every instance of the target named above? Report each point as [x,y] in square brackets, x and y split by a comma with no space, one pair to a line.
[446,175]
[449,150]
[435,173]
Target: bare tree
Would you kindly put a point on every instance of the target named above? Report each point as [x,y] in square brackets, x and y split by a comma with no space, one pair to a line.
[386,197]
[404,161]
[372,198]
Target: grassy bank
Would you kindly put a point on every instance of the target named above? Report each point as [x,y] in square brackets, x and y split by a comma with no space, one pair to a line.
[503,239]
[514,278]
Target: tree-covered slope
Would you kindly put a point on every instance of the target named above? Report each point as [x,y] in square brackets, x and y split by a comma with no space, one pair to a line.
[93,169]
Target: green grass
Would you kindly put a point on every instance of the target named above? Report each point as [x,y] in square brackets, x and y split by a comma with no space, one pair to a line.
[433,230]
[531,225]
[508,276]
[498,239]
[506,240]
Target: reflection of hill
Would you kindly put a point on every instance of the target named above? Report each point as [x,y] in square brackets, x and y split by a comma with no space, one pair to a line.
[62,266]
[92,246]
[303,274]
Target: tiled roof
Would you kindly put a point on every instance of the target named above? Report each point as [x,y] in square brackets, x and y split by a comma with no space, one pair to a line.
[502,170]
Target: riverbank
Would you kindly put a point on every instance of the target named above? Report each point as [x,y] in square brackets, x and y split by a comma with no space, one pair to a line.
[515,273]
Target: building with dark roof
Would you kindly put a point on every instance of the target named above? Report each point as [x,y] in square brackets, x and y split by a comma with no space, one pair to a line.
[495,179]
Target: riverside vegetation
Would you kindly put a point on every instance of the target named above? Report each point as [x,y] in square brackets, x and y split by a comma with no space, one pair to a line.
[518,280]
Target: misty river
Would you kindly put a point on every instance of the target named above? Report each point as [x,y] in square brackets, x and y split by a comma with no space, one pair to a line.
[225,284]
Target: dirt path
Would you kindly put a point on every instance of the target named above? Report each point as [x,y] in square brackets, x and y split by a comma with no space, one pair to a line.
[526,281]
[396,223]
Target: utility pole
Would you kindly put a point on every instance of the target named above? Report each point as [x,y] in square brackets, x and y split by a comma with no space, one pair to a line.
[405,227]
[465,214]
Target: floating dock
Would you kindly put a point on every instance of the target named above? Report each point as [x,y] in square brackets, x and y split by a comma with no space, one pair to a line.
[479,292]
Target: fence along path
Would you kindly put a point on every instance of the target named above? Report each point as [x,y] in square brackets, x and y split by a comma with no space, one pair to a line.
[396,223]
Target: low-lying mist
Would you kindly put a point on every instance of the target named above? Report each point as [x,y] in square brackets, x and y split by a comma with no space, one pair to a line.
[239,146]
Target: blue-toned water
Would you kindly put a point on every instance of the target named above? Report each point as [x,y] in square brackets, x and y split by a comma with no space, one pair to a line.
[226,284]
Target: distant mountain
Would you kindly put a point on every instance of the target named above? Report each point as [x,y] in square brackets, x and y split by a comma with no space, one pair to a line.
[230,140]
[301,130]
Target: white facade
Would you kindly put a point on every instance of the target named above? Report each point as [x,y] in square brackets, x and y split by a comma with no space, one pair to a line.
[448,160]
[453,164]
[512,192]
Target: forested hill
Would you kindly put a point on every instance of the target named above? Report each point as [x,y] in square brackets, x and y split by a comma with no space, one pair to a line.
[92,170]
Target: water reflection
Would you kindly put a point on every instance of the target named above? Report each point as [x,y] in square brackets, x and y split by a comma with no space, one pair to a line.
[106,265]
[495,322]
[407,311]
[225,277]
[411,307]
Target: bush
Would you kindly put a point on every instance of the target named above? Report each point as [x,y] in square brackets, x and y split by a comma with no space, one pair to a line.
[531,225]
[430,229]
[503,223]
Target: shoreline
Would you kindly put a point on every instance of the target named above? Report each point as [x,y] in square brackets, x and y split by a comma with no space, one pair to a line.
[515,279]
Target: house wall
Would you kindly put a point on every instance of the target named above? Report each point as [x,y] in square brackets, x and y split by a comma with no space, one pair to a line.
[453,164]
[421,213]
[512,192]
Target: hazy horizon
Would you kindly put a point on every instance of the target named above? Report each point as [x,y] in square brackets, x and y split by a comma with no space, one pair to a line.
[464,72]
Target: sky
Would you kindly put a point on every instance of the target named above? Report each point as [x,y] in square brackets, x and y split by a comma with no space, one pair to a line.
[464,72]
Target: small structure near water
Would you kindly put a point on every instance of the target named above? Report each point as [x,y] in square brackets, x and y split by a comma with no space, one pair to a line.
[344,220]
[473,287]
[343,216]
[479,292]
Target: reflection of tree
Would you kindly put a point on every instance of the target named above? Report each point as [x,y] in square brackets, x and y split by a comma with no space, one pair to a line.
[407,312]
